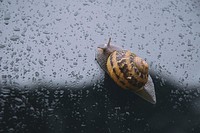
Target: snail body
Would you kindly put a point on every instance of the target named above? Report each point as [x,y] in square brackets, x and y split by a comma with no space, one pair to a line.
[127,70]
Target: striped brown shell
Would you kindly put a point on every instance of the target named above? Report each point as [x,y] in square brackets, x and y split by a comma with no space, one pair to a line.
[127,70]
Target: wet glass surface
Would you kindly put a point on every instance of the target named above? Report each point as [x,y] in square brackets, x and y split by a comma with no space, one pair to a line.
[50,81]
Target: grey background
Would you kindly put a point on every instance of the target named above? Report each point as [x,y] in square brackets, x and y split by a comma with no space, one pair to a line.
[54,42]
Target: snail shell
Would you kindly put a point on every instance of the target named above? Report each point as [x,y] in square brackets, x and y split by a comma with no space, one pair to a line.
[127,70]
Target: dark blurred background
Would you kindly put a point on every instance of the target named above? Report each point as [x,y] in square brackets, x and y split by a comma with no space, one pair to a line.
[105,108]
[50,81]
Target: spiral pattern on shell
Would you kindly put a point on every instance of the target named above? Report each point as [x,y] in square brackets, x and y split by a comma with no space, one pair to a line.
[127,70]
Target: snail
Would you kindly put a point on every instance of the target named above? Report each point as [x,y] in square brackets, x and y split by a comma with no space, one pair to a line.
[128,71]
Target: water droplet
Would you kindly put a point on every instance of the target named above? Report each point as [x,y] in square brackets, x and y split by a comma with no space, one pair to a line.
[181,36]
[7,16]
[41,62]
[10,130]
[16,69]
[23,18]
[41,40]
[76,13]
[180,17]
[180,99]
[75,63]
[68,43]
[28,48]
[37,74]
[23,33]
[54,73]
[16,29]
[58,19]
[91,1]
[18,100]
[46,32]
[6,22]
[14,37]
[5,91]
[80,77]
[48,37]
[79,55]
[5,67]
[2,46]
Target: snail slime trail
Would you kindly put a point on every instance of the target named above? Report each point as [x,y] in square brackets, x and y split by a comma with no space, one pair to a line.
[127,70]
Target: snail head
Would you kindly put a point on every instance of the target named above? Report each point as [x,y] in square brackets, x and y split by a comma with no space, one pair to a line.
[105,47]
[108,48]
